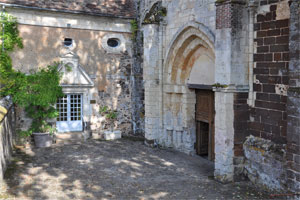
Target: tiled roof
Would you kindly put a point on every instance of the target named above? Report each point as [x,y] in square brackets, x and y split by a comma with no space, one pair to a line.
[113,8]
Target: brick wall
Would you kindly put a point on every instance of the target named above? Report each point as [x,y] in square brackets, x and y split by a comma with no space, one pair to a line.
[223,18]
[268,117]
[241,118]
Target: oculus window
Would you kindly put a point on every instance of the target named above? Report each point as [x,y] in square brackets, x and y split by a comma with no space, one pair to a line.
[68,42]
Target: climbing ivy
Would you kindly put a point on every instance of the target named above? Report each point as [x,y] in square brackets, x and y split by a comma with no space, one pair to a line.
[36,92]
[9,40]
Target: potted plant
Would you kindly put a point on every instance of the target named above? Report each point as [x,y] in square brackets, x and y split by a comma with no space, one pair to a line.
[111,117]
[37,92]
[38,95]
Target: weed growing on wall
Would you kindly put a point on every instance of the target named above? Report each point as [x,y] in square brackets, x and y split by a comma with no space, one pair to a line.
[134,29]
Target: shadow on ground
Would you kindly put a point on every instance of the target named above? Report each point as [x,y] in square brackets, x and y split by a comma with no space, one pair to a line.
[116,169]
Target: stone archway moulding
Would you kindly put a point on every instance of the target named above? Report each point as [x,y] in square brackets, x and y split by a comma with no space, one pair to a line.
[189,34]
[193,24]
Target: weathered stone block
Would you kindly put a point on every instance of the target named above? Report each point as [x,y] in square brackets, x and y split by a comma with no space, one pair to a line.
[265,163]
[112,135]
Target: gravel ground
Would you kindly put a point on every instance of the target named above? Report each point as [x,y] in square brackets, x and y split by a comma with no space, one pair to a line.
[122,169]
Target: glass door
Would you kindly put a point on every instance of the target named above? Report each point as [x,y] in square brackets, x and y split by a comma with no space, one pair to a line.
[70,113]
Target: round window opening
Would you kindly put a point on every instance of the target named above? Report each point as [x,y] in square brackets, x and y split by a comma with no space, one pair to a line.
[113,42]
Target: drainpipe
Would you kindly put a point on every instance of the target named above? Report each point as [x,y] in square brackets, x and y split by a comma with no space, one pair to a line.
[252,7]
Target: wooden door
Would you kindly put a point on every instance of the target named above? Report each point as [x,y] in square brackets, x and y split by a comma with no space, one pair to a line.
[205,123]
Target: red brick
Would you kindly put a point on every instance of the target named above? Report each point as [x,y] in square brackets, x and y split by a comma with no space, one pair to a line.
[259,41]
[260,71]
[285,80]
[283,131]
[255,125]
[270,105]
[282,40]
[285,31]
[258,57]
[274,80]
[279,65]
[261,34]
[283,99]
[279,48]
[277,116]
[257,87]
[274,32]
[277,56]
[263,49]
[274,98]
[282,23]
[262,96]
[285,56]
[269,40]
[256,26]
[269,57]
[267,128]
[268,88]
[268,25]
[260,18]
[269,16]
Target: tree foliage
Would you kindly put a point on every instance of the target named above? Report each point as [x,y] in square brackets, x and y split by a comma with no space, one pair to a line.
[36,92]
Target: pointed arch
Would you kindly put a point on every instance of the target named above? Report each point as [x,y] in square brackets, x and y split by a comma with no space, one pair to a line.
[188,40]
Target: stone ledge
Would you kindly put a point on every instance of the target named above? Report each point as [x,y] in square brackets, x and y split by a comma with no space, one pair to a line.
[5,105]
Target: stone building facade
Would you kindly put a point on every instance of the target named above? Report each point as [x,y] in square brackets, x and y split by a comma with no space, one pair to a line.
[217,78]
[222,80]
[94,39]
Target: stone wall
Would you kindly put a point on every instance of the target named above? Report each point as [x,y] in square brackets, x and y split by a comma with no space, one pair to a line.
[137,80]
[183,30]
[232,73]
[7,133]
[293,108]
[265,163]
[117,84]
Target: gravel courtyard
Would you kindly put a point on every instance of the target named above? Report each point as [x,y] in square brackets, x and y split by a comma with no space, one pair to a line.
[122,169]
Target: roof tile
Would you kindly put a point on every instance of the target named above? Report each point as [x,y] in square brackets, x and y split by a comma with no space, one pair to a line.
[113,8]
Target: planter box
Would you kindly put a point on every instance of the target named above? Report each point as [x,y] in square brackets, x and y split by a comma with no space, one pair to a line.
[112,135]
[42,139]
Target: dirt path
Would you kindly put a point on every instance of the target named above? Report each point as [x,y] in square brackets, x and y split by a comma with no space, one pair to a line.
[122,169]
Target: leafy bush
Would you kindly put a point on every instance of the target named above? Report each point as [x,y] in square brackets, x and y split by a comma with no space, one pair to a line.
[38,96]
